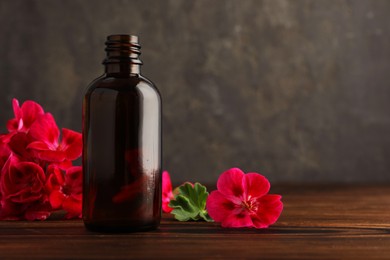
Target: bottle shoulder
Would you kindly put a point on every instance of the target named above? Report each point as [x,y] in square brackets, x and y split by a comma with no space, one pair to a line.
[137,83]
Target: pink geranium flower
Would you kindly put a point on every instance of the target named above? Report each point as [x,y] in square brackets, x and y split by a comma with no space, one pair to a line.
[167,193]
[22,191]
[21,182]
[65,191]
[47,147]
[242,201]
[25,115]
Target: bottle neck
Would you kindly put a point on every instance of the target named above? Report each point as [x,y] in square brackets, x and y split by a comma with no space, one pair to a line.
[122,69]
[122,57]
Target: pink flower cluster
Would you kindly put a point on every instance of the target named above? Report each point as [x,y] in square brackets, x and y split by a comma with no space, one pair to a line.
[37,175]
[241,200]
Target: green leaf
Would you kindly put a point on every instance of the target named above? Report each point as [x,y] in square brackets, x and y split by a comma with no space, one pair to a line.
[190,203]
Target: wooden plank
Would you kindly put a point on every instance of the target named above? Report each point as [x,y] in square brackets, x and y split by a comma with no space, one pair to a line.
[323,222]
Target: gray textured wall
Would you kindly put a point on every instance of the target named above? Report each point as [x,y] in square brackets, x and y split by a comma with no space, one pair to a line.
[298,90]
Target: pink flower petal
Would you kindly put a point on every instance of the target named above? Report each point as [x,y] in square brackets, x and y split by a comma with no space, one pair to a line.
[269,211]
[71,143]
[73,206]
[74,180]
[56,199]
[235,220]
[255,185]
[45,129]
[30,111]
[16,108]
[64,164]
[16,123]
[51,156]
[230,184]
[19,143]
[166,182]
[38,145]
[165,206]
[218,206]
[4,138]
[55,178]
[167,194]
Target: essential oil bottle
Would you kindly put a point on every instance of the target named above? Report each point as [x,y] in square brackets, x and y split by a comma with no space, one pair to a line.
[122,144]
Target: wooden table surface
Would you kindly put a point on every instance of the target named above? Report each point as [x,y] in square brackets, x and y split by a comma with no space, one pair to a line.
[318,222]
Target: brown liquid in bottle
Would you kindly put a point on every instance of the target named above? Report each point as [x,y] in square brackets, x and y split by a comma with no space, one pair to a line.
[122,144]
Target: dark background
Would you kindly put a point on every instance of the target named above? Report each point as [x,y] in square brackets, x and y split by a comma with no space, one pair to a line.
[296,90]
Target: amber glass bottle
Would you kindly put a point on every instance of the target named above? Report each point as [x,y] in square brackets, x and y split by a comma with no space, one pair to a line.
[122,144]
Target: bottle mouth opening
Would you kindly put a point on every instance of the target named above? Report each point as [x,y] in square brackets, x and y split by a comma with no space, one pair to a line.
[126,38]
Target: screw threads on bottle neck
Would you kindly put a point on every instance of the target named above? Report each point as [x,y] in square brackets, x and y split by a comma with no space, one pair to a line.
[123,53]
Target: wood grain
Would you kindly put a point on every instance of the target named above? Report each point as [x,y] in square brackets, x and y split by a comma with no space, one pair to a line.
[321,222]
